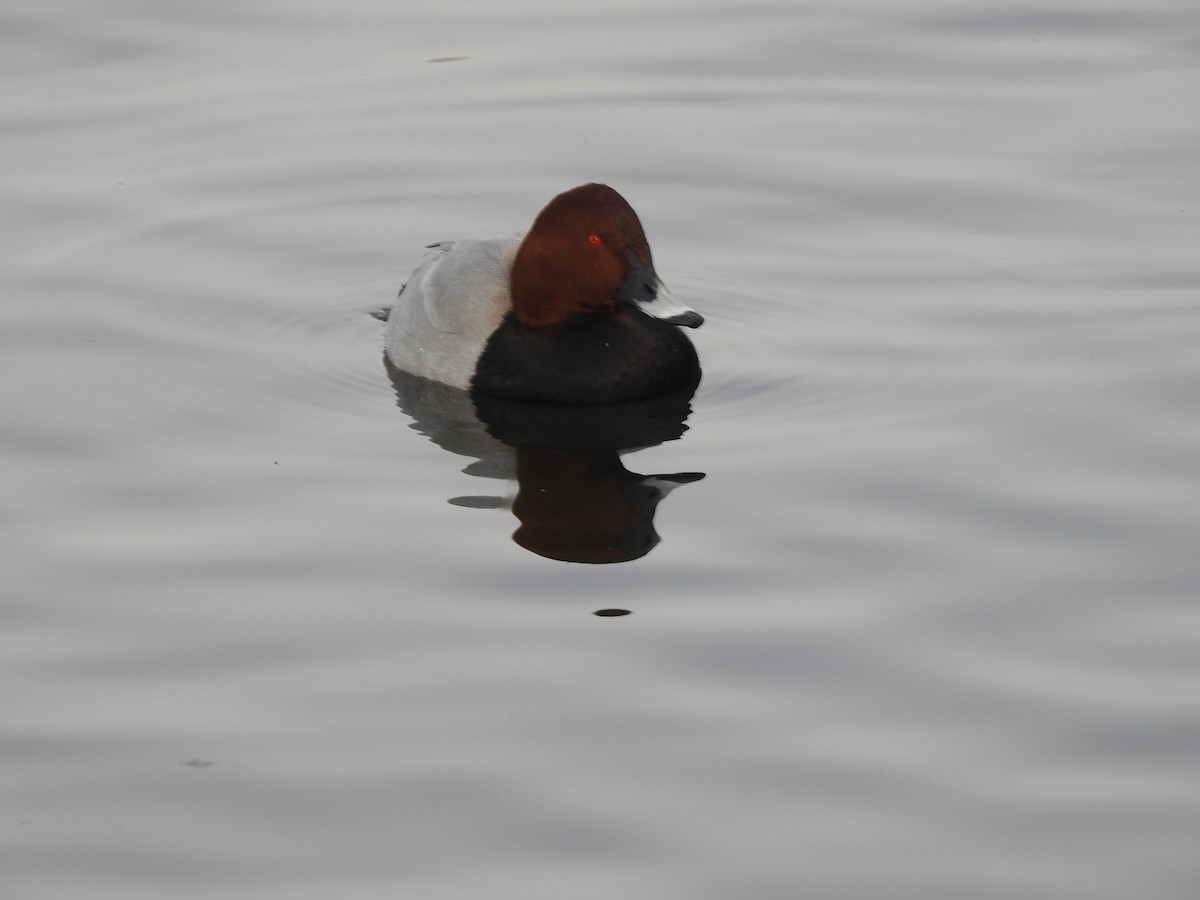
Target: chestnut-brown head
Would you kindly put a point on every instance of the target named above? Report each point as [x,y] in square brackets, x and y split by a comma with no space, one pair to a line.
[585,254]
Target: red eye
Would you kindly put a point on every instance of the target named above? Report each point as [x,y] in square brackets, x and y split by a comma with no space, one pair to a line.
[595,240]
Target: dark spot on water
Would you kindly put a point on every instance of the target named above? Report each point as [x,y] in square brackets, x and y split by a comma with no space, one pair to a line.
[609,613]
[443,59]
[197,763]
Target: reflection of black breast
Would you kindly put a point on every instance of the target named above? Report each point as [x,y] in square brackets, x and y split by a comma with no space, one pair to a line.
[612,358]
[623,427]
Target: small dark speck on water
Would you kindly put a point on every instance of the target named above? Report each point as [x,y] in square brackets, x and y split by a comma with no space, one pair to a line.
[442,59]
[197,763]
[610,613]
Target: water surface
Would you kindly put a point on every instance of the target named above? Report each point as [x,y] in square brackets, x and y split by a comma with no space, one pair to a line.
[927,626]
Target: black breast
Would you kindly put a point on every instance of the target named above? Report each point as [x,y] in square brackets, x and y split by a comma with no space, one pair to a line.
[596,360]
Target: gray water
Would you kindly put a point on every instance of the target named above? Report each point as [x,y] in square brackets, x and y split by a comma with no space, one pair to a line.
[926,628]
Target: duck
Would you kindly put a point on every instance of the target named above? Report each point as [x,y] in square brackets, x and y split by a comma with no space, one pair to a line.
[571,313]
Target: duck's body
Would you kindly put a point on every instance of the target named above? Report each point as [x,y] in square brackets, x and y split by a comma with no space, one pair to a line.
[571,313]
[451,305]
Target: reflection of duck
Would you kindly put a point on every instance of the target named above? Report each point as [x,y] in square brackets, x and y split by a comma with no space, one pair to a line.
[575,500]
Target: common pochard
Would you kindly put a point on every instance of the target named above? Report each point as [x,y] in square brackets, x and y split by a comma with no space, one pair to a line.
[573,313]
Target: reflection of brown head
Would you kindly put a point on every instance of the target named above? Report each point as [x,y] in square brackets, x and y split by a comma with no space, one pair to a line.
[584,506]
